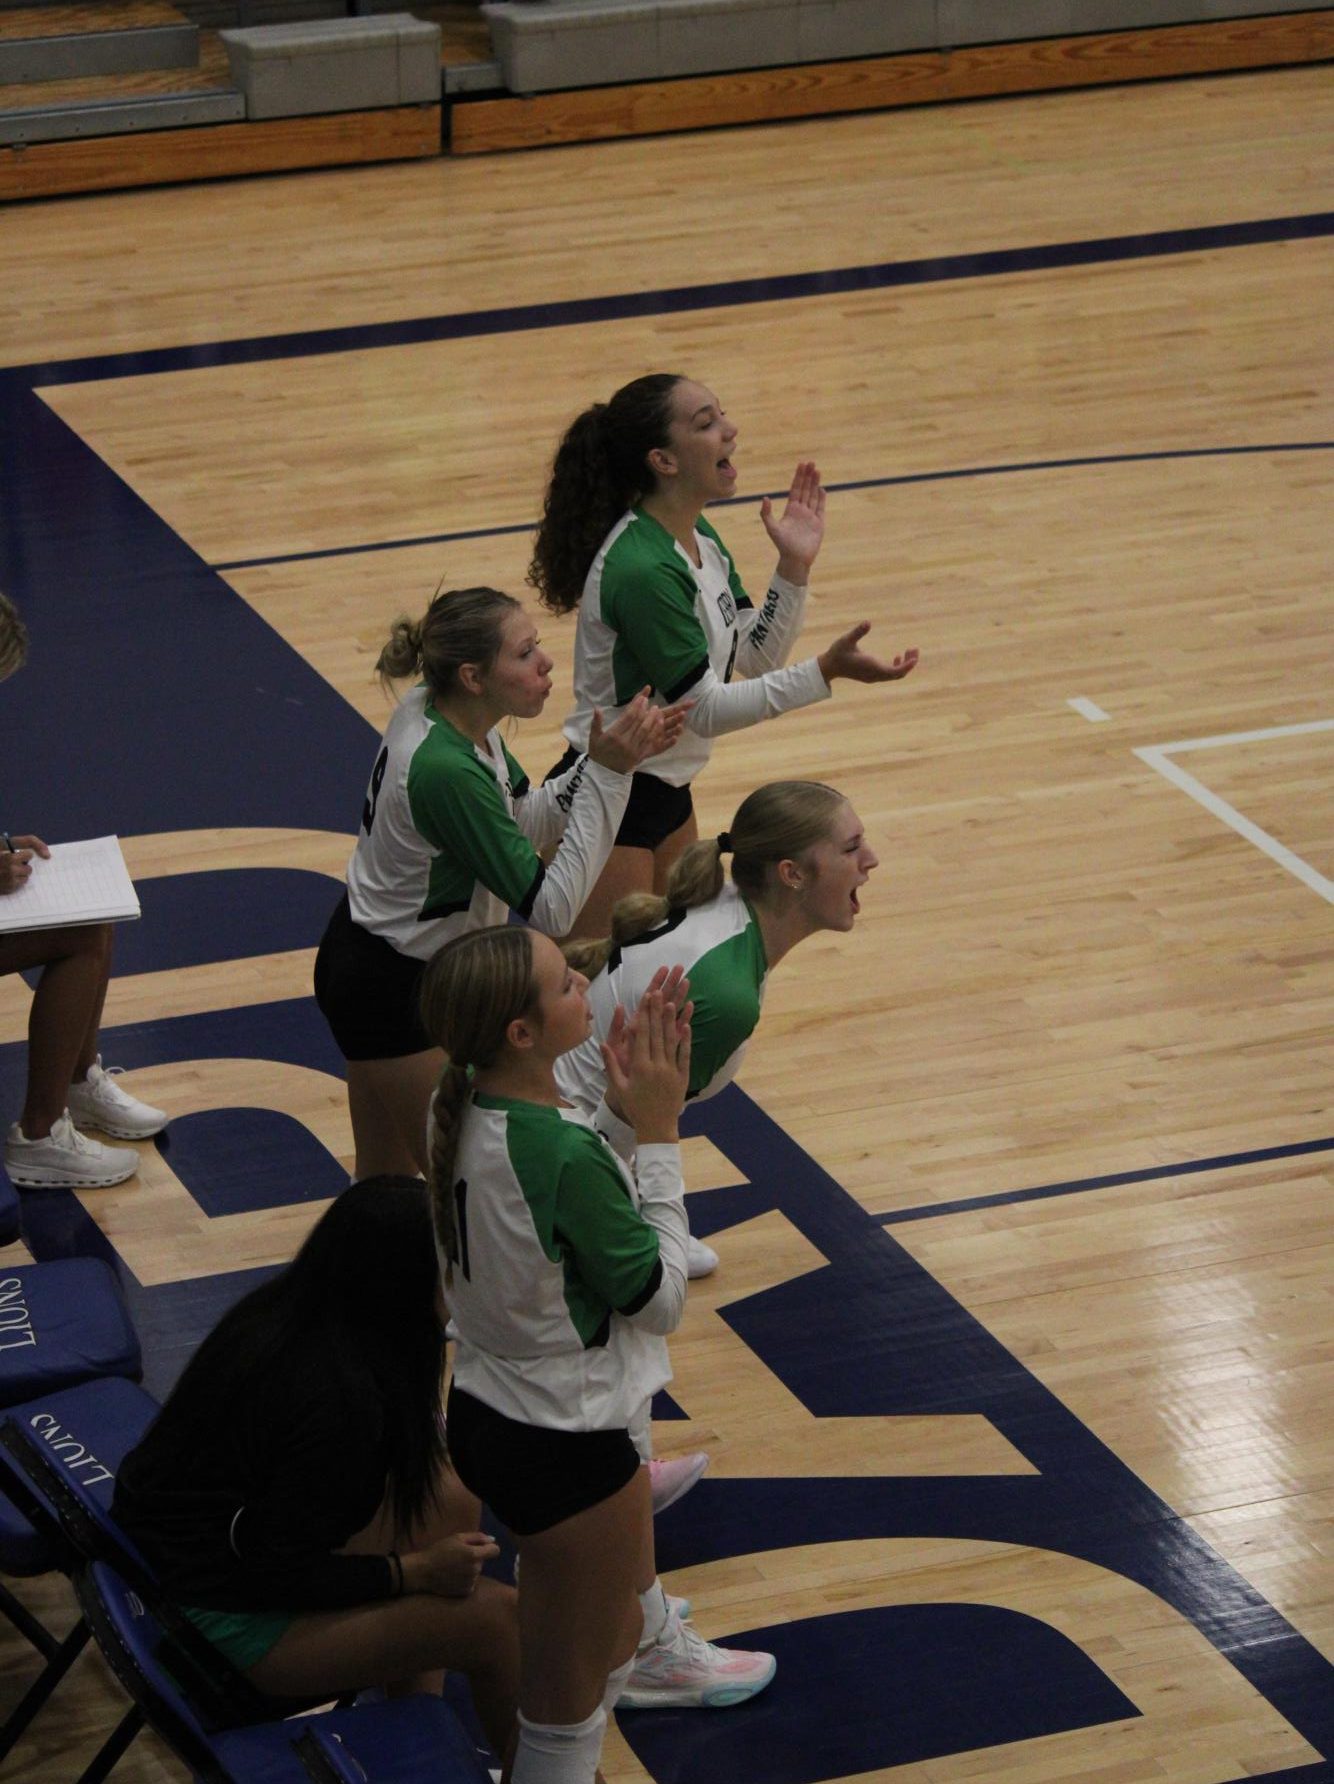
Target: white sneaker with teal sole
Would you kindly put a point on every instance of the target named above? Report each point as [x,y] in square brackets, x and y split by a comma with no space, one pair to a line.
[682,1671]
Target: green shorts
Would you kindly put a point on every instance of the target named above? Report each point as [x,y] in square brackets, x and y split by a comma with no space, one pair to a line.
[245,1637]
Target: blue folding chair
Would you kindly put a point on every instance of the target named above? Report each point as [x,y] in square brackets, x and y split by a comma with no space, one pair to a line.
[69,1444]
[402,1741]
[62,1322]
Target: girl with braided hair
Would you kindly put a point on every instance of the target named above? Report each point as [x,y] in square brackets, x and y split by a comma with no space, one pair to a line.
[563,1274]
[450,840]
[624,540]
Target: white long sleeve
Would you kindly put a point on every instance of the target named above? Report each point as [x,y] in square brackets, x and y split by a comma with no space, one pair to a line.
[731,706]
[662,1204]
[596,798]
[772,627]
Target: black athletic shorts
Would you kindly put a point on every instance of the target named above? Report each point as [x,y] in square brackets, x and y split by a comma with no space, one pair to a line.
[654,811]
[531,1477]
[368,991]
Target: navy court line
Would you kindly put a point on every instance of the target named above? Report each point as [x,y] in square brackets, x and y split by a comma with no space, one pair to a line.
[675,300]
[1039,464]
[1192,1166]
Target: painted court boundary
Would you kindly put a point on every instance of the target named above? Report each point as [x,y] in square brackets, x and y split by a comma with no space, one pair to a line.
[1190,1167]
[675,300]
[1158,756]
[861,483]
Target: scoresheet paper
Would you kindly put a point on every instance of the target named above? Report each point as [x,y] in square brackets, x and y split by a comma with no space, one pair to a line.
[83,882]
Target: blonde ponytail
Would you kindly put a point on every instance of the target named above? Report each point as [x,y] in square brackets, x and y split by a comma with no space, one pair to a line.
[695,877]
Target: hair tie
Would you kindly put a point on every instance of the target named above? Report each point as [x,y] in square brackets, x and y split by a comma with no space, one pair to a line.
[724,841]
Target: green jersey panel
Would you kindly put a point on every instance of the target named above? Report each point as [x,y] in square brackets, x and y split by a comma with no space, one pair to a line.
[582,1216]
[648,599]
[457,806]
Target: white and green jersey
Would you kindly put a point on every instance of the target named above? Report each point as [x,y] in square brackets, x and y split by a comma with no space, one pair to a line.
[720,946]
[451,832]
[567,1273]
[649,618]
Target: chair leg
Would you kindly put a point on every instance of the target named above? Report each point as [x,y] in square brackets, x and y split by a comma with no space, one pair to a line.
[107,1755]
[38,1692]
[27,1625]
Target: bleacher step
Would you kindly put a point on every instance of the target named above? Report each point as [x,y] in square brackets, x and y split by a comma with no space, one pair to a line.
[62,42]
[120,104]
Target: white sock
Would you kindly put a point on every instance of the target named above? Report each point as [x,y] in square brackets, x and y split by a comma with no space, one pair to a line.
[559,1753]
[653,1603]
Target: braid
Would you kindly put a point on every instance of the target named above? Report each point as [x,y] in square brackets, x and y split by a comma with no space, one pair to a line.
[451,1096]
[470,993]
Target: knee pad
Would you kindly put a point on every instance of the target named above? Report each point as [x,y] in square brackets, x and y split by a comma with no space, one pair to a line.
[559,1752]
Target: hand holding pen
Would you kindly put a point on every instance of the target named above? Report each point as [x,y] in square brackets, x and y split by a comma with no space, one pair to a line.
[16,859]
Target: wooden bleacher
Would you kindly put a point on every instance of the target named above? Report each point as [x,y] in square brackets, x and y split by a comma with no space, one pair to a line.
[167,123]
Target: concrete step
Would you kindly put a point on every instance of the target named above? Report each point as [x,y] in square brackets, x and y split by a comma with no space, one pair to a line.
[62,42]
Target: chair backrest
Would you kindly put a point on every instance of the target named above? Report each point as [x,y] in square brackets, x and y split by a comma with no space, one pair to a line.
[50,1469]
[58,1460]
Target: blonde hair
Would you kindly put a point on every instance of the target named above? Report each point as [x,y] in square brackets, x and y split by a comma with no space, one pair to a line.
[780,821]
[460,626]
[470,993]
[13,639]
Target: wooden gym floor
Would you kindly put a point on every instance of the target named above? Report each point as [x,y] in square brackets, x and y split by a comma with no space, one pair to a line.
[1017,1369]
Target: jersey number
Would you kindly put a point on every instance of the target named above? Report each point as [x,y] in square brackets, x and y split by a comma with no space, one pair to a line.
[458,1251]
[377,781]
[731,661]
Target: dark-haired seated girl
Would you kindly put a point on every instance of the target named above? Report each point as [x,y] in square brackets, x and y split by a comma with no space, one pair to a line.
[293,1494]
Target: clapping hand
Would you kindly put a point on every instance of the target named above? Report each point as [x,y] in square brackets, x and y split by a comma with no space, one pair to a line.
[641,730]
[844,658]
[798,531]
[647,1059]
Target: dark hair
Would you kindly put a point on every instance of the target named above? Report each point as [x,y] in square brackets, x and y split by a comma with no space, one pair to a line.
[777,822]
[462,625]
[600,469]
[470,993]
[361,1295]
[13,638]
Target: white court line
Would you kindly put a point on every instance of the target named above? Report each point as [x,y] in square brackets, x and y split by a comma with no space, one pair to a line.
[1089,710]
[1158,756]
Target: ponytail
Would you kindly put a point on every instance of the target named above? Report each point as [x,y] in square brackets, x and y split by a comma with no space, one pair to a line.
[402,654]
[695,877]
[460,626]
[781,821]
[600,469]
